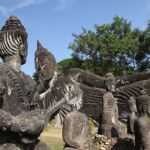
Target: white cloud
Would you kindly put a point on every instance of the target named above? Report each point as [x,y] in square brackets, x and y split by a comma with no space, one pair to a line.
[5,10]
[19,4]
[62,4]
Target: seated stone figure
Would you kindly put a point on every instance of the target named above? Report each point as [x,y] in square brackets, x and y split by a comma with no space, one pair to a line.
[21,122]
[76,132]
[142,128]
[18,91]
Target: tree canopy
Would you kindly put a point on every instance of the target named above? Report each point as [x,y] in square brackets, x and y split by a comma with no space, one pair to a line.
[114,47]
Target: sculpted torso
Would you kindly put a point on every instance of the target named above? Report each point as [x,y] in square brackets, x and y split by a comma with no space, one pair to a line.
[142,125]
[17,95]
[144,132]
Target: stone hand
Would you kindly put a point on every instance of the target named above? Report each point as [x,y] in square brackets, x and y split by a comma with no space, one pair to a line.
[32,126]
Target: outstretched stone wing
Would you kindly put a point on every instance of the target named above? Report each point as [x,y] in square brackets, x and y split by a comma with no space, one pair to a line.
[130,86]
[92,101]
[82,89]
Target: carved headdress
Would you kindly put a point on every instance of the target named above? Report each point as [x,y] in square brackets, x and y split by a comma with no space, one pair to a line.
[45,63]
[13,39]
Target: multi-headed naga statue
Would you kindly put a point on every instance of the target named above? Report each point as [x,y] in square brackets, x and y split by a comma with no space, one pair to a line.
[21,120]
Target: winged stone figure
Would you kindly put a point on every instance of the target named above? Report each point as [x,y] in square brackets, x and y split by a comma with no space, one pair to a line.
[83,89]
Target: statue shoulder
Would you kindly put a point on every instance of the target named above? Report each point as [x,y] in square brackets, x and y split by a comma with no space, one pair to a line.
[28,79]
[143,122]
[5,67]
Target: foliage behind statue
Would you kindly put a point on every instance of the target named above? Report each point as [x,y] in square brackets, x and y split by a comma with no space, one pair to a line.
[113,47]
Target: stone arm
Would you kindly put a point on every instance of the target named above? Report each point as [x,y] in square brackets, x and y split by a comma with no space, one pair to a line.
[130,124]
[86,78]
[19,124]
[28,125]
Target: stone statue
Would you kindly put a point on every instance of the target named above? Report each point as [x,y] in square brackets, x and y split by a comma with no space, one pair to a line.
[142,128]
[20,89]
[21,120]
[55,85]
[46,68]
[110,110]
[76,132]
[132,115]
[71,85]
[109,101]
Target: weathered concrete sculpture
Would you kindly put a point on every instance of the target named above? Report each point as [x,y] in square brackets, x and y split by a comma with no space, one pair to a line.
[91,87]
[59,87]
[76,132]
[13,42]
[21,122]
[142,128]
[46,67]
[20,89]
[109,101]
[132,115]
[130,86]
[110,109]
[71,85]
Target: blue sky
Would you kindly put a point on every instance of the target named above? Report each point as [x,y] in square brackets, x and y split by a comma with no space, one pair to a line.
[53,21]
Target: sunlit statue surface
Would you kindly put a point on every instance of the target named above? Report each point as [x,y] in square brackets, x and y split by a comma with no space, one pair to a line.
[132,118]
[142,128]
[76,132]
[21,120]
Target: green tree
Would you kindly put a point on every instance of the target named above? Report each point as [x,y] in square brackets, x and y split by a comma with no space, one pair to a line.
[35,77]
[143,56]
[110,48]
[66,64]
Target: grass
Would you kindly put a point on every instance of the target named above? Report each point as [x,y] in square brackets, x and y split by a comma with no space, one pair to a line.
[53,143]
[53,138]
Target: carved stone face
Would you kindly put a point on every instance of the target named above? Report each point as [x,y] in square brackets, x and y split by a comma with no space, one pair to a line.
[144,105]
[111,84]
[132,105]
[146,109]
